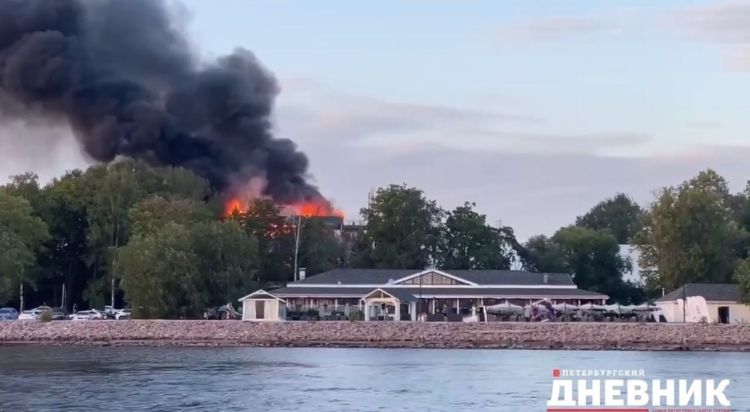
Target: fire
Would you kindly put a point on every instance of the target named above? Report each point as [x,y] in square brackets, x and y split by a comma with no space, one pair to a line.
[311,209]
[306,209]
[235,205]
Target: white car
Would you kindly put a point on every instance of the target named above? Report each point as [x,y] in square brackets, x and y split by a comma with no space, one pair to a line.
[32,314]
[122,314]
[91,314]
[8,314]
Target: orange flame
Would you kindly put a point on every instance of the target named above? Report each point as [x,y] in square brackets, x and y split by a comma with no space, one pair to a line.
[234,205]
[312,209]
[305,209]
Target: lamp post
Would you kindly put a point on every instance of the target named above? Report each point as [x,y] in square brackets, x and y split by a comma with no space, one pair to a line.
[684,303]
[297,236]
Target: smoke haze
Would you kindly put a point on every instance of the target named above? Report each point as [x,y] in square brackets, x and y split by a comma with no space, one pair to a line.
[122,75]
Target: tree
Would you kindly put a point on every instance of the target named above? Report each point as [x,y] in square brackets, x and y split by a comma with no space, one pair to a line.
[621,215]
[178,270]
[403,230]
[592,258]
[472,244]
[319,249]
[113,189]
[151,214]
[228,260]
[263,221]
[742,277]
[63,261]
[21,236]
[160,275]
[26,185]
[15,260]
[542,254]
[690,235]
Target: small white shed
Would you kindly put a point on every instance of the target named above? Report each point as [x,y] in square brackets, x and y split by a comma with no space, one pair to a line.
[705,302]
[261,306]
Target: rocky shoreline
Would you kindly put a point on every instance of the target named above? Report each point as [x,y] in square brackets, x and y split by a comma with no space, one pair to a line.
[501,335]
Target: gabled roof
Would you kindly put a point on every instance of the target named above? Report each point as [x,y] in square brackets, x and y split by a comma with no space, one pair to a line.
[403,295]
[458,279]
[723,292]
[479,277]
[260,294]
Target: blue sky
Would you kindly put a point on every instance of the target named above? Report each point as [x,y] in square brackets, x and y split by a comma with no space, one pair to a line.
[534,110]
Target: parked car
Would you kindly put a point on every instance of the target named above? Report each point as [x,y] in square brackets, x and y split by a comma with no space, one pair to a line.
[8,314]
[91,314]
[32,314]
[122,314]
[110,312]
[59,314]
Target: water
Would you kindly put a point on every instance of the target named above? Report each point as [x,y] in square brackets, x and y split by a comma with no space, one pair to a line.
[287,379]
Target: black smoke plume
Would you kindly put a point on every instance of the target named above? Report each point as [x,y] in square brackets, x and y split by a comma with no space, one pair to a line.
[122,74]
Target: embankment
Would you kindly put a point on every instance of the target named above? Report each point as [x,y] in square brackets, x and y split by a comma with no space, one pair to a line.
[589,336]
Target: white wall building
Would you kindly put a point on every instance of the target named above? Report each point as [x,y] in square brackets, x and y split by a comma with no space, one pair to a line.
[705,302]
[263,306]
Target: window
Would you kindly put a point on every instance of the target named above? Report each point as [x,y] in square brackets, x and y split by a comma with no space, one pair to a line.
[431,279]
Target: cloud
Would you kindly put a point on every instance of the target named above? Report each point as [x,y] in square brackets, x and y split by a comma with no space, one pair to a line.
[554,28]
[312,111]
[516,169]
[726,23]
[532,192]
[40,147]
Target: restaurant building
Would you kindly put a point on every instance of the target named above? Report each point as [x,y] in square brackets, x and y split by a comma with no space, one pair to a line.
[403,294]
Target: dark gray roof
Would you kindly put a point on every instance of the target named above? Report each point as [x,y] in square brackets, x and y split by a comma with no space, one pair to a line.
[512,277]
[481,277]
[334,292]
[709,291]
[357,276]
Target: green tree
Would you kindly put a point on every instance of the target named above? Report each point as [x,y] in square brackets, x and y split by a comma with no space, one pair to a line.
[63,261]
[592,258]
[742,277]
[26,185]
[160,275]
[152,213]
[228,260]
[178,270]
[319,250]
[620,214]
[472,244]
[403,230]
[21,236]
[542,254]
[263,221]
[113,190]
[690,235]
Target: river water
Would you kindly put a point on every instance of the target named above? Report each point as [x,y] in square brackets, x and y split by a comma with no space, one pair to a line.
[57,378]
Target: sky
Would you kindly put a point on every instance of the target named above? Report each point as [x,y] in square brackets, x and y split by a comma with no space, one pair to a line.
[535,111]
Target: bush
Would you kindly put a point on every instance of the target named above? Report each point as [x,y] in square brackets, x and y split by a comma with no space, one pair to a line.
[45,316]
[356,316]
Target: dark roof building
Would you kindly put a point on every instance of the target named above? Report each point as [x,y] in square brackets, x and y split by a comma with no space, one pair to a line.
[435,291]
[715,292]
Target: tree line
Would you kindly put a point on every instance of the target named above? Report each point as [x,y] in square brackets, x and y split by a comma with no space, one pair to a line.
[158,239]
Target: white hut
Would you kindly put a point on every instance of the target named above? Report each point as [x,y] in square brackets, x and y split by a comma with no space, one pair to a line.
[262,306]
[705,302]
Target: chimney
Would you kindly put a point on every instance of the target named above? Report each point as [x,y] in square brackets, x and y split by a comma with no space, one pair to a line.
[545,279]
[301,273]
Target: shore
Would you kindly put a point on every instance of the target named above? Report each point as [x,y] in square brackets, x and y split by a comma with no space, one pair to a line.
[510,335]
